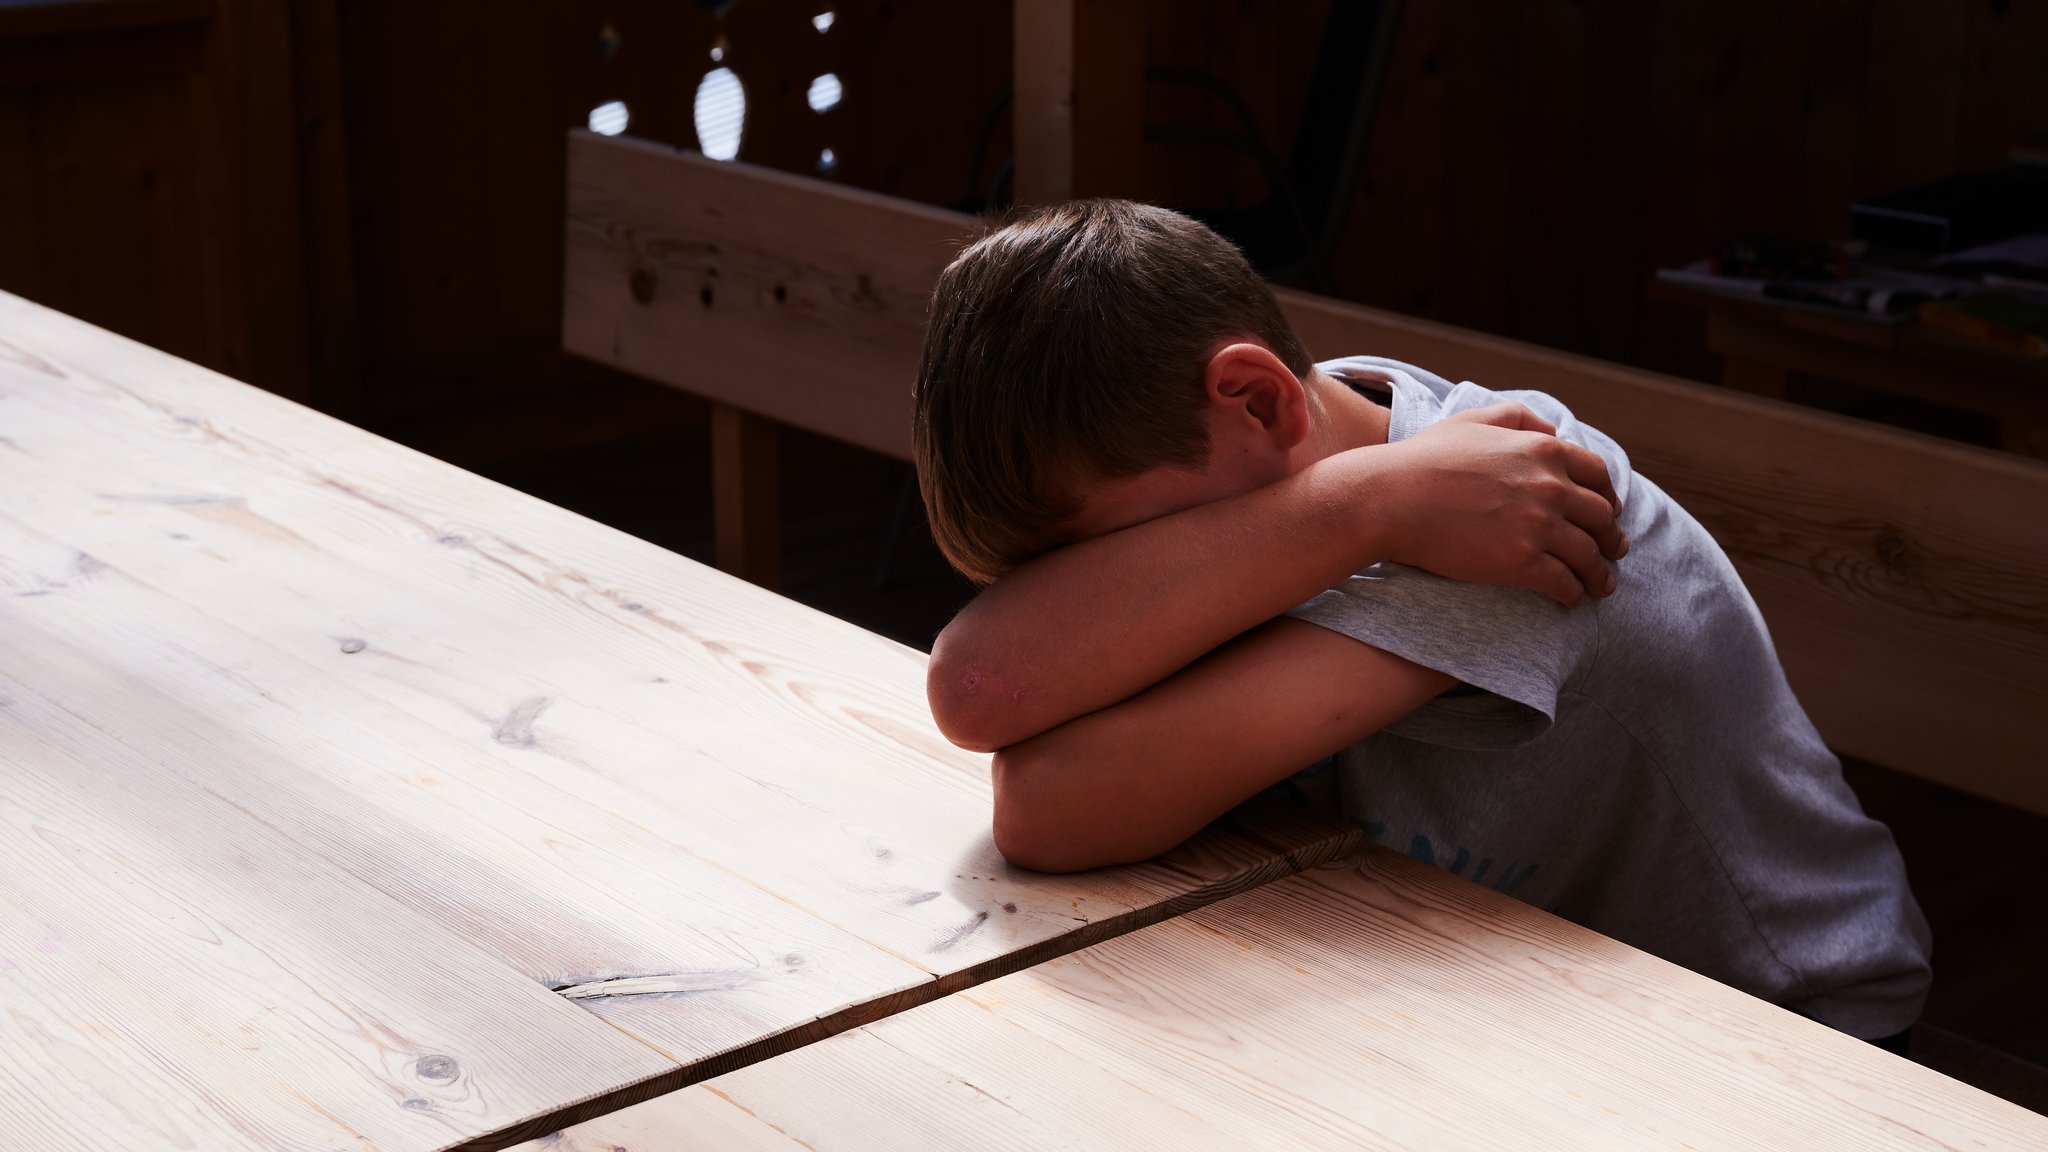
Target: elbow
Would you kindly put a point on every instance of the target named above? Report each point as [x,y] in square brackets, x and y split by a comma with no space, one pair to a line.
[967,705]
[961,721]
[1027,829]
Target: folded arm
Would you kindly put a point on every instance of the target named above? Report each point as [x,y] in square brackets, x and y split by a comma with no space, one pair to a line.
[1488,496]
[1134,779]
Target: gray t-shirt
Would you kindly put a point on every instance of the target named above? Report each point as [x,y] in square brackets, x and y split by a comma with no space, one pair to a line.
[1637,764]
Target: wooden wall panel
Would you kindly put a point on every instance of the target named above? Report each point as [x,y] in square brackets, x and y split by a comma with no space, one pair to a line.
[151,182]
[455,122]
[1529,166]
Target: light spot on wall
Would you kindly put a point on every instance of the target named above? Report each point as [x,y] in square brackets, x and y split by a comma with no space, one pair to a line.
[721,114]
[825,92]
[610,118]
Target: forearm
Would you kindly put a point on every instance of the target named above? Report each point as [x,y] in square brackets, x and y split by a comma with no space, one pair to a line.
[1133,780]
[1095,623]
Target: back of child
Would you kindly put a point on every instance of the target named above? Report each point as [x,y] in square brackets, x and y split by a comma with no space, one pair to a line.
[1637,765]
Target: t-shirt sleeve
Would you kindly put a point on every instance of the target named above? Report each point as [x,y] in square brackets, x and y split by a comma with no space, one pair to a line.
[1516,650]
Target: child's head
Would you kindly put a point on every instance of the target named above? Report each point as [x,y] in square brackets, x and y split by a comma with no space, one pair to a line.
[1073,348]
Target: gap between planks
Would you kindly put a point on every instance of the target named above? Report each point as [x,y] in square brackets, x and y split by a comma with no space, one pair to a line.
[1341,848]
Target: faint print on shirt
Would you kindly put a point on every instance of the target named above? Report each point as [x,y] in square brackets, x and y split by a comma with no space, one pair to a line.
[1505,881]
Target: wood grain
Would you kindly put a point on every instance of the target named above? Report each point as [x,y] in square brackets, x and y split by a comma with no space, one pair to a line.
[176,974]
[1385,1006]
[720,821]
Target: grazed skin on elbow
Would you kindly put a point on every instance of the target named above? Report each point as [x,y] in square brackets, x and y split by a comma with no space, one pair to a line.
[969,701]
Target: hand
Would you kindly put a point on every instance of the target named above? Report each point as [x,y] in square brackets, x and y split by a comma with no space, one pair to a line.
[1493,496]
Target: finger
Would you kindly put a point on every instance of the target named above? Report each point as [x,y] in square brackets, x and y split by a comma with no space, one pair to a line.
[1558,582]
[1594,516]
[1580,554]
[1588,470]
[1507,414]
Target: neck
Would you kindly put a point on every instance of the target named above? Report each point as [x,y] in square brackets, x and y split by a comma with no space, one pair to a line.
[1345,420]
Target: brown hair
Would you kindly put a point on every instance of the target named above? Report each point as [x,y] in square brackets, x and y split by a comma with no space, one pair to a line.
[1065,347]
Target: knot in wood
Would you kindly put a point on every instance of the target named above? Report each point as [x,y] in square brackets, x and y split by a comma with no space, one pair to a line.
[643,281]
[864,294]
[437,1068]
[1893,551]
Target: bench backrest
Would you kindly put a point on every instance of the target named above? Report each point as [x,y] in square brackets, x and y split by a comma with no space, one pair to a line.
[1904,578]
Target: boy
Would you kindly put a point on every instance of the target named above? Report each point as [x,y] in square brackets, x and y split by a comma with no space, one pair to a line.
[1192,535]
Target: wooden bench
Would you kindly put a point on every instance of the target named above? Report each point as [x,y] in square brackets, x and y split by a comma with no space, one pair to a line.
[1388,1005]
[1905,579]
[347,798]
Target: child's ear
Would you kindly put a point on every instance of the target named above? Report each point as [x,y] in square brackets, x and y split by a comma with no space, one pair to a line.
[1249,383]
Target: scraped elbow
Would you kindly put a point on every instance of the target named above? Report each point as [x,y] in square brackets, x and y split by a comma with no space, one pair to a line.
[964,705]
[962,722]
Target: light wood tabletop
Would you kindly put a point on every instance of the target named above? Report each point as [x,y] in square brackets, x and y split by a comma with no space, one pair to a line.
[1386,1005]
[351,799]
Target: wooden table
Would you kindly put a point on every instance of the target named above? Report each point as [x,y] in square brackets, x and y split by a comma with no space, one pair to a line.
[1764,343]
[348,798]
[1387,1006]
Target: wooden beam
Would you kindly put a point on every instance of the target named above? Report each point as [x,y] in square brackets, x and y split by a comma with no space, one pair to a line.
[1079,68]
[746,496]
[789,298]
[1901,575]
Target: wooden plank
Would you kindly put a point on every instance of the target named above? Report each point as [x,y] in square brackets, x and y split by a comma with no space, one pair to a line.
[1387,1006]
[1079,115]
[577,893]
[1919,364]
[334,379]
[176,974]
[725,819]
[789,298]
[1900,575]
[249,162]
[746,501]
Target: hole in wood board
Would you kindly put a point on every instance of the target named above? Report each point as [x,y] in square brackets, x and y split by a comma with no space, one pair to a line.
[643,282]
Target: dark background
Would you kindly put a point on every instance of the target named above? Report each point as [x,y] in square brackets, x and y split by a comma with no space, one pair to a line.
[359,205]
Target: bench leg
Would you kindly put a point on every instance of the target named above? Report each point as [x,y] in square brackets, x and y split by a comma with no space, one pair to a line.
[746,504]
